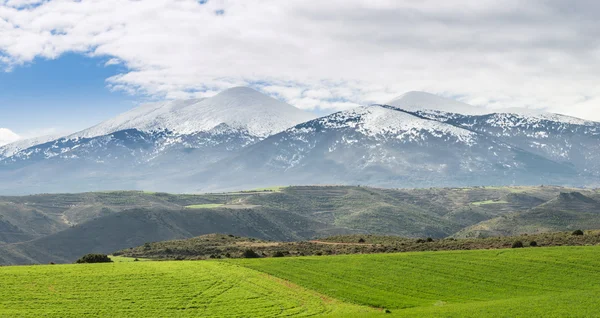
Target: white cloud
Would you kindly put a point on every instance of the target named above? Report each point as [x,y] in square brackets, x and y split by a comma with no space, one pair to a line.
[7,136]
[327,54]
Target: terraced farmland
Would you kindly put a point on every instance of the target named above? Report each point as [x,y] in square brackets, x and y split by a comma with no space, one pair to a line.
[532,282]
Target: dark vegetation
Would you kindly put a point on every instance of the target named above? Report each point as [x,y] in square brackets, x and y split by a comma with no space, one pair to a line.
[94,258]
[229,246]
[61,227]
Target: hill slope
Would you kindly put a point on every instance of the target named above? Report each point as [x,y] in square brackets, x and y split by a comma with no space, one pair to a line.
[63,227]
[568,211]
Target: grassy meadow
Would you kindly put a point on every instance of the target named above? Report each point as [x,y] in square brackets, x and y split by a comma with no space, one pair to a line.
[531,282]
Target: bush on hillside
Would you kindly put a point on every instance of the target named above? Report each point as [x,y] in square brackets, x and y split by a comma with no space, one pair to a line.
[94,258]
[278,254]
[577,232]
[517,244]
[250,254]
[361,240]
[429,239]
[533,243]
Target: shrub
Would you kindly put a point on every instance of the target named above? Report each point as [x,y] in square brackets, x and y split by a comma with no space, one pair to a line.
[278,254]
[136,260]
[94,258]
[517,244]
[577,232]
[250,254]
[361,240]
[429,239]
[533,243]
[420,241]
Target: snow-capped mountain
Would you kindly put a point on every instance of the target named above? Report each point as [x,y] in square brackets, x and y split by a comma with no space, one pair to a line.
[239,108]
[384,145]
[158,138]
[241,138]
[228,121]
[12,148]
[557,137]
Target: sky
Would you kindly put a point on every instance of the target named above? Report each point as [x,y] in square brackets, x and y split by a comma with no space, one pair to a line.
[66,65]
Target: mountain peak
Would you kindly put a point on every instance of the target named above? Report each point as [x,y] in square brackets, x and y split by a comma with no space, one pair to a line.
[239,108]
[415,101]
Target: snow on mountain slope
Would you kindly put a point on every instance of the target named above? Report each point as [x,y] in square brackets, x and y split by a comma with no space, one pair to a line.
[239,108]
[14,147]
[439,108]
[379,120]
[7,136]
[415,101]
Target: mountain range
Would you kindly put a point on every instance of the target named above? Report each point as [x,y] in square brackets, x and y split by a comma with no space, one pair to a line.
[241,138]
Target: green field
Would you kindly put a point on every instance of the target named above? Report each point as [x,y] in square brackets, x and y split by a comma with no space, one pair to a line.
[489,202]
[532,282]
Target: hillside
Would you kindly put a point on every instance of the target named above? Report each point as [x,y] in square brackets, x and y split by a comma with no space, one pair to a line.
[60,228]
[229,246]
[549,282]
[567,211]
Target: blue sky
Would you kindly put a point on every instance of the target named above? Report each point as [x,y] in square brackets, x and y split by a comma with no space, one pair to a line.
[65,94]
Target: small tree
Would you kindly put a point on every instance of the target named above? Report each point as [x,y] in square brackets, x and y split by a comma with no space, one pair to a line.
[533,244]
[577,232]
[517,244]
[429,239]
[94,258]
[278,254]
[250,254]
[361,240]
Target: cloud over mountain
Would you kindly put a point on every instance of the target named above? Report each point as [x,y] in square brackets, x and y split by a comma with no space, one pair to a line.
[330,55]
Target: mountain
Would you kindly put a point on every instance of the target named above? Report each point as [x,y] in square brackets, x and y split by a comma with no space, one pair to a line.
[149,142]
[12,148]
[242,139]
[385,146]
[560,138]
[239,108]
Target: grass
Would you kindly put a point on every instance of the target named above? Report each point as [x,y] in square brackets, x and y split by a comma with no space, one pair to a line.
[123,259]
[489,202]
[204,206]
[535,282]
[158,289]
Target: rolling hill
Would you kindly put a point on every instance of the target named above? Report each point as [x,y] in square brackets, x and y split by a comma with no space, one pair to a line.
[60,228]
